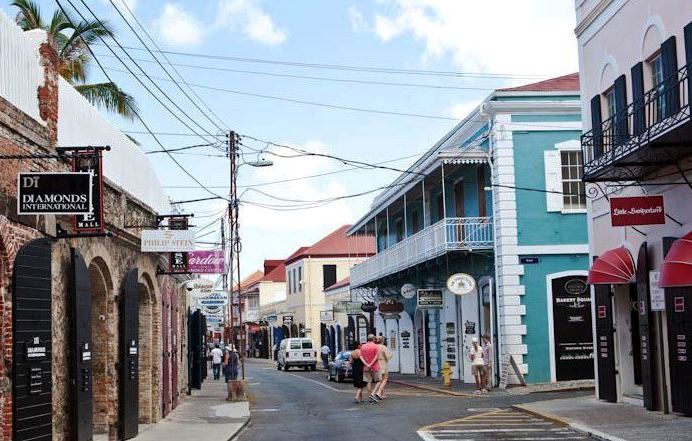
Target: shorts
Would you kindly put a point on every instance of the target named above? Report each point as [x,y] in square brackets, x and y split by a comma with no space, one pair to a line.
[477,369]
[372,376]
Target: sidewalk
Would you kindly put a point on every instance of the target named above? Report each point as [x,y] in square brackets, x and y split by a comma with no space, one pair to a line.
[205,414]
[612,421]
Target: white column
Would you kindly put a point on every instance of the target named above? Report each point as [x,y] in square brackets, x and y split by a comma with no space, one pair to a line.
[405,219]
[444,194]
[422,182]
[387,212]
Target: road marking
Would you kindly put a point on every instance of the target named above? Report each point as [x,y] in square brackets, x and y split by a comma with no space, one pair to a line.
[254,384]
[317,382]
[265,410]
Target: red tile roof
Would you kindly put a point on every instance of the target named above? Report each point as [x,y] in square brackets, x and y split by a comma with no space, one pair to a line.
[337,244]
[564,83]
[340,284]
[276,274]
[249,280]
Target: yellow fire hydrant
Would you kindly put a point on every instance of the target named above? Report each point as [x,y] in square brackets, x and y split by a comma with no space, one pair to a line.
[447,374]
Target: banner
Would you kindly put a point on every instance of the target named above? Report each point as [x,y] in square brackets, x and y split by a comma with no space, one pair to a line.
[206,262]
[91,162]
[167,241]
[54,193]
[637,210]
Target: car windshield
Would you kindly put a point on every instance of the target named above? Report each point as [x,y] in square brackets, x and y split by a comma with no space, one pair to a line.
[307,344]
[295,345]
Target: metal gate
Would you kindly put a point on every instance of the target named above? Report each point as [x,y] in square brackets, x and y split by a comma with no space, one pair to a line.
[646,335]
[196,350]
[165,353]
[128,408]
[82,372]
[175,390]
[679,317]
[31,342]
[605,349]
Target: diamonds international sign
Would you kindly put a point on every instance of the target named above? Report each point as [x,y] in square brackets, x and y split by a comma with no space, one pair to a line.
[67,193]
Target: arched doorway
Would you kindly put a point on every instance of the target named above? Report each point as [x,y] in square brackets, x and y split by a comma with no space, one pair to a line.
[103,351]
[146,316]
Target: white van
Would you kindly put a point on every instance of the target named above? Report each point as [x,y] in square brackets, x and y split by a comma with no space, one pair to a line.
[297,352]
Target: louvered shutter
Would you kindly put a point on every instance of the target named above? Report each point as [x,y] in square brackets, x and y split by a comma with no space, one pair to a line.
[621,124]
[638,117]
[670,74]
[688,59]
[596,129]
[553,181]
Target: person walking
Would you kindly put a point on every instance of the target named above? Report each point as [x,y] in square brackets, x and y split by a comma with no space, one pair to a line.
[230,364]
[383,357]
[488,357]
[216,358]
[325,351]
[357,370]
[369,353]
[477,365]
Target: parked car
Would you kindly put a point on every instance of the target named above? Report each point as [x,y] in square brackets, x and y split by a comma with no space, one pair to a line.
[297,352]
[340,367]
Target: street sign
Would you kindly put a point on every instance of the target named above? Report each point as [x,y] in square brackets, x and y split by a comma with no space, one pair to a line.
[167,241]
[66,193]
[637,210]
[430,298]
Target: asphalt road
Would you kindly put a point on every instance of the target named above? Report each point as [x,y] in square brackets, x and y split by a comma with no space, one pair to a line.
[304,406]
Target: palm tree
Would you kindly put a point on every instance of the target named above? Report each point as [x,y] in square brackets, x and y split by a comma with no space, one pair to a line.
[70,39]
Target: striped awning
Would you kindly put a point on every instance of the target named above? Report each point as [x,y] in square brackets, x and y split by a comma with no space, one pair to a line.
[676,270]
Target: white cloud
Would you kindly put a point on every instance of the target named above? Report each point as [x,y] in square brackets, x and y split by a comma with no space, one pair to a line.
[505,36]
[246,17]
[358,23]
[179,28]
[462,110]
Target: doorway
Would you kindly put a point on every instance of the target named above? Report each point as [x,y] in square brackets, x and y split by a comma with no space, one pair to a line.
[626,324]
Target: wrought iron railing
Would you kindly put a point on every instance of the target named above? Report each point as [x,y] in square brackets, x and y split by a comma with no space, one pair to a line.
[658,111]
[449,234]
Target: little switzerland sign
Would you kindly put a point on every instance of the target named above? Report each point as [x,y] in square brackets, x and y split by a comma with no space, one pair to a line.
[54,193]
[637,210]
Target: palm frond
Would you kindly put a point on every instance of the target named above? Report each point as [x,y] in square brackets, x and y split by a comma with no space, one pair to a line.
[85,33]
[109,97]
[29,15]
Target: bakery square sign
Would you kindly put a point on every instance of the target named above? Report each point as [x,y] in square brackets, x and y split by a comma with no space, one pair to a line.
[637,210]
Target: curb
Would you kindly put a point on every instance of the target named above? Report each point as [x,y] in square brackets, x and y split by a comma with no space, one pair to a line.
[240,430]
[564,422]
[434,389]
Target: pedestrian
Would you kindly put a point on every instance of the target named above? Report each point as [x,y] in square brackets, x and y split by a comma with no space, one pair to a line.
[325,351]
[383,357]
[216,358]
[477,365]
[231,363]
[247,350]
[369,353]
[488,357]
[276,351]
[357,370]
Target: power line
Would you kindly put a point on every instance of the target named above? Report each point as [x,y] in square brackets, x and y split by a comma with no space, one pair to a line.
[177,149]
[346,67]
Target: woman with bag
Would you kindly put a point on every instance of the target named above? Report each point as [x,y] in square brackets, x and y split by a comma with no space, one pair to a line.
[357,369]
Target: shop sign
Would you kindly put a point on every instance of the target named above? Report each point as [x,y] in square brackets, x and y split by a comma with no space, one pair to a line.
[288,320]
[91,162]
[461,284]
[178,262]
[658,297]
[430,298]
[206,262]
[391,307]
[216,298]
[66,193]
[200,287]
[35,350]
[368,307]
[327,316]
[167,241]
[263,323]
[271,318]
[348,307]
[576,286]
[637,210]
[251,315]
[408,291]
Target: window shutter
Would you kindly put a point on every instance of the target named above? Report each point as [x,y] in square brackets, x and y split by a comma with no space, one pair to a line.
[638,121]
[596,129]
[553,180]
[621,124]
[688,59]
[669,54]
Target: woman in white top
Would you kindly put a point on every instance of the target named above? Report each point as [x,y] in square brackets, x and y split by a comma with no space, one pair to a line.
[477,364]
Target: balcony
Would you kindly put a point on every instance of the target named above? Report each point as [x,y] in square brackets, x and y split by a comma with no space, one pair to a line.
[450,234]
[652,132]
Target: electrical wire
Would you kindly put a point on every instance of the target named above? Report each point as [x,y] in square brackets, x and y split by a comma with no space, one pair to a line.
[177,149]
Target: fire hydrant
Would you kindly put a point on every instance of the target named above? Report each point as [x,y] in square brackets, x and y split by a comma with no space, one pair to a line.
[447,374]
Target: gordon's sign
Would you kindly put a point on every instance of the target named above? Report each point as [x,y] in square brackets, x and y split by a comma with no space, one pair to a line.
[54,193]
[637,210]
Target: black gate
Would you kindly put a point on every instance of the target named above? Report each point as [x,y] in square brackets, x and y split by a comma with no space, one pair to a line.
[82,376]
[605,350]
[679,317]
[646,335]
[31,345]
[128,407]
[196,350]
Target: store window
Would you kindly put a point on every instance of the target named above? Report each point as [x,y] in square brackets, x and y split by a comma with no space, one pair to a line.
[573,192]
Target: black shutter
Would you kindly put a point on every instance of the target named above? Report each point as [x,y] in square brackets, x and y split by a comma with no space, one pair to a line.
[605,345]
[328,275]
[646,335]
[671,89]
[596,129]
[638,117]
[129,356]
[688,60]
[82,372]
[621,123]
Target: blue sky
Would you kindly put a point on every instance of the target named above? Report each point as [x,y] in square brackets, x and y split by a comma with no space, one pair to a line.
[528,37]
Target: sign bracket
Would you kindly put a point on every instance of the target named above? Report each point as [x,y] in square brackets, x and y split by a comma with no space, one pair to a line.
[64,234]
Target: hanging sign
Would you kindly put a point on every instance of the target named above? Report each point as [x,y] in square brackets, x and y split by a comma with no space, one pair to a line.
[637,210]
[166,241]
[66,193]
[408,291]
[91,162]
[288,320]
[200,287]
[179,263]
[327,316]
[368,307]
[217,298]
[391,307]
[206,262]
[461,284]
[430,298]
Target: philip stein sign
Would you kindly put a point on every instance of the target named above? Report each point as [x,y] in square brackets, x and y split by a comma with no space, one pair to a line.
[54,193]
[167,241]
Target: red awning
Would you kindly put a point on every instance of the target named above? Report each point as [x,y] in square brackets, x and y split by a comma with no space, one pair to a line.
[677,266]
[614,267]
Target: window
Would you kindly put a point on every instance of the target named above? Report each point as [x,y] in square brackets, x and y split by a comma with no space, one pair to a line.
[295,344]
[459,199]
[573,197]
[610,103]
[290,284]
[253,302]
[328,275]
[399,230]
[307,344]
[657,82]
[300,279]
[415,225]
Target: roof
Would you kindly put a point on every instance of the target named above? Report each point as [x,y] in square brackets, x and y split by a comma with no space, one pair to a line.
[277,274]
[564,83]
[337,244]
[250,280]
[340,284]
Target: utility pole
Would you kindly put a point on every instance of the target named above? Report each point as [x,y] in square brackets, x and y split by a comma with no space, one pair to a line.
[232,159]
[224,279]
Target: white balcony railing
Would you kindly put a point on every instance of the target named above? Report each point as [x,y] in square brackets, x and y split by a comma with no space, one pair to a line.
[449,234]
